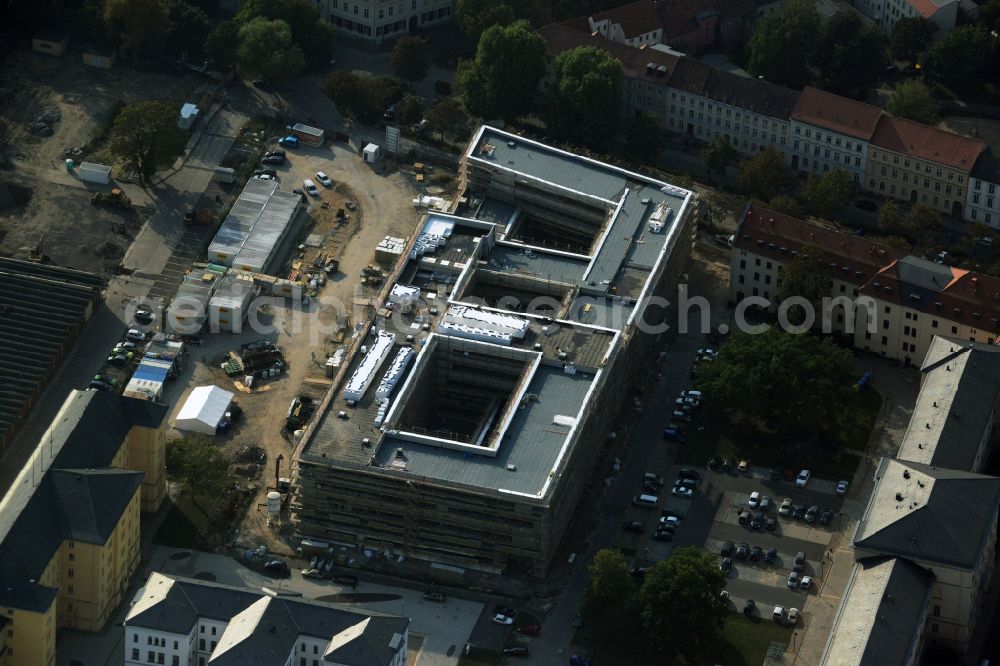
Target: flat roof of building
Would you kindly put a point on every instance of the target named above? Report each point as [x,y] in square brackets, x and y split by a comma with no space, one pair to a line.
[954,410]
[881,616]
[533,445]
[255,225]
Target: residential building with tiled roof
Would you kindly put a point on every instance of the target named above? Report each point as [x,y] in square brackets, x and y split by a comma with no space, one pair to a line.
[886,13]
[830,131]
[982,199]
[69,523]
[921,164]
[881,615]
[899,303]
[186,621]
[694,25]
[942,520]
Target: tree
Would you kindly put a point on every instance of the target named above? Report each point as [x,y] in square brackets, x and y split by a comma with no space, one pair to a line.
[851,55]
[445,116]
[682,606]
[645,138]
[310,33]
[187,30]
[827,193]
[762,175]
[266,50]
[722,205]
[805,275]
[922,222]
[583,105]
[786,204]
[137,24]
[360,96]
[718,155]
[913,100]
[783,44]
[476,16]
[889,219]
[989,15]
[410,110]
[910,37]
[502,81]
[198,464]
[794,385]
[411,58]
[221,45]
[146,137]
[962,58]
[610,601]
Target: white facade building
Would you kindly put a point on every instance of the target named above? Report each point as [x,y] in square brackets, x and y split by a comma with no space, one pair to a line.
[982,199]
[377,20]
[830,131]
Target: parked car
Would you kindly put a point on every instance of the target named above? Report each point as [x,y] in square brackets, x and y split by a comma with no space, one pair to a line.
[135,335]
[726,565]
[770,523]
[266,172]
[100,386]
[842,487]
[390,112]
[748,607]
[500,609]
[689,474]
[825,517]
[517,651]
[278,567]
[264,176]
[743,467]
[123,347]
[578,620]
[313,573]
[678,415]
[806,582]
[324,179]
[743,551]
[812,513]
[779,614]
[793,580]
[786,507]
[765,503]
[757,522]
[802,479]
[310,187]
[118,360]
[681,491]
[505,620]
[633,526]
[793,615]
[727,549]
[686,483]
[291,141]
[654,479]
[274,157]
[690,403]
[663,535]
[672,521]
[436,597]
[675,432]
[800,561]
[756,553]
[798,512]
[744,517]
[697,395]
[754,500]
[771,555]
[639,572]
[144,317]
[707,353]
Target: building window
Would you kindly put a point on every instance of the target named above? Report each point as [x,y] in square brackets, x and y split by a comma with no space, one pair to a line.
[885,341]
[201,644]
[135,654]
[70,572]
[954,330]
[885,324]
[933,323]
[213,630]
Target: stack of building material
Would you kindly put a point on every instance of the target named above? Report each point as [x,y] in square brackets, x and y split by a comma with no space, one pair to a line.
[365,372]
[394,373]
[389,249]
[515,327]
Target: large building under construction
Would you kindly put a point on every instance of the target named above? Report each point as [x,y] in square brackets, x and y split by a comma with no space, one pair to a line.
[469,419]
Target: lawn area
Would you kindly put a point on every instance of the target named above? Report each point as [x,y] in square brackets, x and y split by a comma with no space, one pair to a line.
[480,657]
[744,642]
[711,434]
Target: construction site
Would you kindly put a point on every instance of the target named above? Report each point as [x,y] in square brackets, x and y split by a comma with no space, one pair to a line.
[463,424]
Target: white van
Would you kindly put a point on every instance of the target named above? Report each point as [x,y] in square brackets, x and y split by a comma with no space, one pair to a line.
[645,500]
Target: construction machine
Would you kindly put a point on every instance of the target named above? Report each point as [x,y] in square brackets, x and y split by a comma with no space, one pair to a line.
[116,198]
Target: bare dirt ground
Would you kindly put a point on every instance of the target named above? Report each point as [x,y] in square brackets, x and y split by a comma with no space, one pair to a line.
[384,208]
[37,197]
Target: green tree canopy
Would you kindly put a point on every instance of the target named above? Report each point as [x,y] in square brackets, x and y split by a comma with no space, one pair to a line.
[718,155]
[360,96]
[222,43]
[445,117]
[806,275]
[610,602]
[792,384]
[763,175]
[145,136]
[850,56]
[475,16]
[786,204]
[411,58]
[187,30]
[309,32]
[913,100]
[583,105]
[682,607]
[910,36]
[138,25]
[266,50]
[889,219]
[409,110]
[827,193]
[502,81]
[783,44]
[198,464]
[962,59]
[645,138]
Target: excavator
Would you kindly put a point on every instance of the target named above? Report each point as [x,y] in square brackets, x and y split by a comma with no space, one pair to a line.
[116,198]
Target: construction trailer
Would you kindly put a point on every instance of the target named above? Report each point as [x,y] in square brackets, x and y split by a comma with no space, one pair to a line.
[228,306]
[310,135]
[256,225]
[94,173]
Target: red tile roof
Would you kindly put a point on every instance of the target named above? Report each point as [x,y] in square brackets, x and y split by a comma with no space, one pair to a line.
[635,18]
[771,234]
[837,113]
[926,142]
[674,17]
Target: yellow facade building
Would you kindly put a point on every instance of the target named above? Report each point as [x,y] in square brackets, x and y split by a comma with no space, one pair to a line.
[69,525]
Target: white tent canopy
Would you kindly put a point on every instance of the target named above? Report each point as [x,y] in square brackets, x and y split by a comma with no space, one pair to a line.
[203,410]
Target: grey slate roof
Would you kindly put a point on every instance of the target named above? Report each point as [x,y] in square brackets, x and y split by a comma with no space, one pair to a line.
[42,308]
[263,629]
[92,500]
[929,514]
[881,616]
